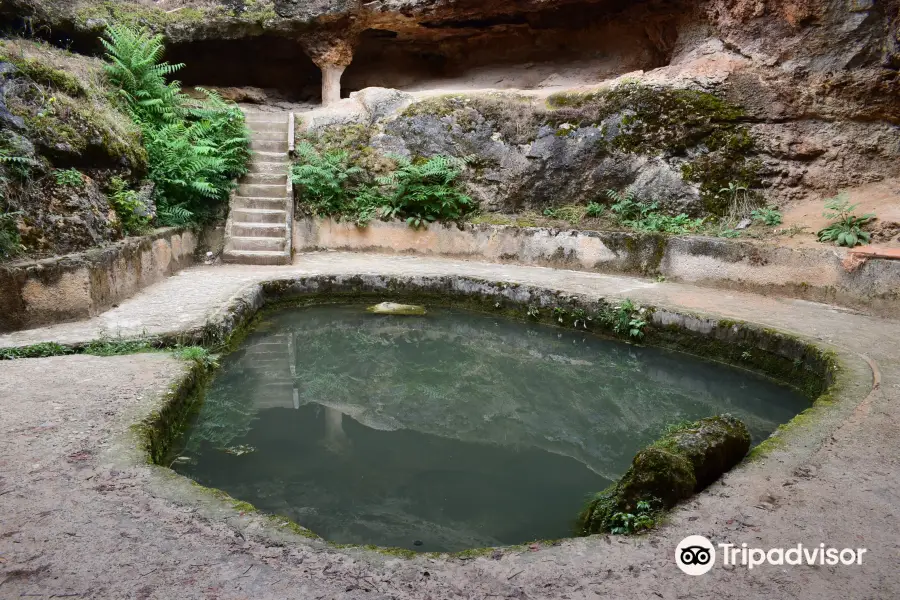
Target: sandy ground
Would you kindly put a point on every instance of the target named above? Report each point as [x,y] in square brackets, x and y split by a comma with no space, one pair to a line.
[881,199]
[83,517]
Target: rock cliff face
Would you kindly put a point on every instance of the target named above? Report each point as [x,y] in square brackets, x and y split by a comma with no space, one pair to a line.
[814,84]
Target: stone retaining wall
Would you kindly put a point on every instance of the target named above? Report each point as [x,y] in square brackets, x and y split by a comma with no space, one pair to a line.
[81,285]
[815,274]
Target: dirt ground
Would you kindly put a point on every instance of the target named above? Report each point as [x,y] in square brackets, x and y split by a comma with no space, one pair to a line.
[83,516]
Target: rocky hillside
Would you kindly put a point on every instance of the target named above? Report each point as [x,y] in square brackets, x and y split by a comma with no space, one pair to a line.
[63,144]
[792,99]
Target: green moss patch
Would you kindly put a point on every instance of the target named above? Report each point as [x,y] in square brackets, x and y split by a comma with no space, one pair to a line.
[684,461]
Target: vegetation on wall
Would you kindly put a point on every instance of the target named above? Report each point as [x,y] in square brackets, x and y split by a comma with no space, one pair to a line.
[336,178]
[196,148]
[846,230]
[72,161]
[425,191]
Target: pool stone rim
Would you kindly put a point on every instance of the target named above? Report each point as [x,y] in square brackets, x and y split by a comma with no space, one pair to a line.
[671,328]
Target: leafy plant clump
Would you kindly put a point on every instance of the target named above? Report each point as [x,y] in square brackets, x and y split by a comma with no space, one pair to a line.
[769,216]
[69,178]
[628,318]
[196,148]
[847,229]
[420,192]
[643,216]
[199,355]
[628,523]
[133,215]
[426,191]
[330,185]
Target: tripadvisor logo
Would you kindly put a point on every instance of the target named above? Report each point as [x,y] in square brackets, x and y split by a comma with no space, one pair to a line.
[696,555]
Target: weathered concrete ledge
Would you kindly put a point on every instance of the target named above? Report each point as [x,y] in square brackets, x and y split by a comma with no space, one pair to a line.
[77,286]
[814,274]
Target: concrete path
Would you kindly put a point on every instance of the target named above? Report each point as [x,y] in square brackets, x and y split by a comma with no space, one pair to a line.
[75,523]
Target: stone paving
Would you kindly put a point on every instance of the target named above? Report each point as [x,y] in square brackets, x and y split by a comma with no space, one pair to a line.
[77,522]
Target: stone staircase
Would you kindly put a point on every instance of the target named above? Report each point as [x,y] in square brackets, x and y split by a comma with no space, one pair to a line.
[258,231]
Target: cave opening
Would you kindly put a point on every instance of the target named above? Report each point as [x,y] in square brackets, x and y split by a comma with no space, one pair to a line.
[277,65]
[563,47]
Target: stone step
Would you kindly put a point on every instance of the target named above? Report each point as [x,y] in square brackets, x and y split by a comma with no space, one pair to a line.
[269,145]
[258,215]
[278,135]
[265,178]
[271,244]
[259,166]
[256,257]
[278,230]
[262,190]
[266,156]
[239,202]
[266,117]
[266,127]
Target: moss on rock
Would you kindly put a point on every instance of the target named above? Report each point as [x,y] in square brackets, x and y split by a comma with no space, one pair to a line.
[684,461]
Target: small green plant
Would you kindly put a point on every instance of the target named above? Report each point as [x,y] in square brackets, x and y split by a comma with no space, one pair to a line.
[40,350]
[132,213]
[571,213]
[10,243]
[729,233]
[199,355]
[769,216]
[595,210]
[625,204]
[20,166]
[560,314]
[847,230]
[425,191]
[117,347]
[739,202]
[642,519]
[533,312]
[580,317]
[641,216]
[628,318]
[69,178]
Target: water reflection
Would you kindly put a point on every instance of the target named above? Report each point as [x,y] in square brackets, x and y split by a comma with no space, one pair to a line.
[453,428]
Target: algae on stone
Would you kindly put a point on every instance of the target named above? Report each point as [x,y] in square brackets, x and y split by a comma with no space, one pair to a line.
[681,463]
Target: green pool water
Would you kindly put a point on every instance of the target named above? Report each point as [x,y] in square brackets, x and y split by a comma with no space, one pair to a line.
[448,431]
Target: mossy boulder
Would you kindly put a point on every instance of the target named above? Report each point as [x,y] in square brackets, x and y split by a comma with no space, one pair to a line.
[683,462]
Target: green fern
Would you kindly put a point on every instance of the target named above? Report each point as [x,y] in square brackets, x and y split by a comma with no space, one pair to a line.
[176,215]
[329,185]
[426,191]
[196,148]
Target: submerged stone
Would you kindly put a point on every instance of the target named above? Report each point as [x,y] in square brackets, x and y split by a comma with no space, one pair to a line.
[392,308]
[678,465]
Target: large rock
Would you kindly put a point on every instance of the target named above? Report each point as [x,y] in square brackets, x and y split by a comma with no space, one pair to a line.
[392,308]
[381,102]
[672,469]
